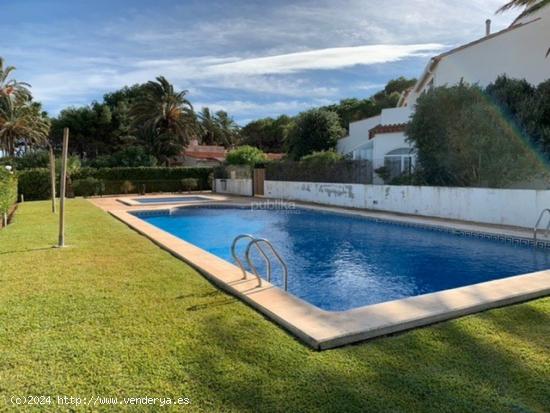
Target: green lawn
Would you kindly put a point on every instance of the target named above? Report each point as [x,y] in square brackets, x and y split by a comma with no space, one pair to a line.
[114,315]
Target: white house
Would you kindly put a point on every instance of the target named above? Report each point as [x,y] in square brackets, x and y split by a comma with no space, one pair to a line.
[520,51]
[381,140]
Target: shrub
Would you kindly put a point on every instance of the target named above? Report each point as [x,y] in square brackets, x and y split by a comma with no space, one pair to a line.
[31,160]
[88,187]
[8,192]
[246,155]
[189,184]
[35,183]
[384,173]
[127,187]
[462,139]
[322,157]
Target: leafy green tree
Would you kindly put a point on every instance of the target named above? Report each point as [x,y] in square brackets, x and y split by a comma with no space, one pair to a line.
[399,85]
[268,134]
[246,155]
[131,156]
[90,128]
[352,110]
[462,139]
[316,130]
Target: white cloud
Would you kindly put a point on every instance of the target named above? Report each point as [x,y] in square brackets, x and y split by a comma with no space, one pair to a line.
[332,58]
[239,56]
[244,108]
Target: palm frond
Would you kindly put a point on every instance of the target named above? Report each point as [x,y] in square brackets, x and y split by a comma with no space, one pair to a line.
[530,6]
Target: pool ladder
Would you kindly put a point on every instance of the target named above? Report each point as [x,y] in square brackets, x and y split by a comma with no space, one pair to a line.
[536,228]
[258,242]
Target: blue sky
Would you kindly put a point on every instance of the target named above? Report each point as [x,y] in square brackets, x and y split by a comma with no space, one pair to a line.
[251,58]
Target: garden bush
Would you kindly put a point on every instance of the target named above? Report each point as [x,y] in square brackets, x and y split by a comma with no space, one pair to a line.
[189,184]
[88,187]
[322,157]
[246,155]
[462,139]
[34,184]
[8,191]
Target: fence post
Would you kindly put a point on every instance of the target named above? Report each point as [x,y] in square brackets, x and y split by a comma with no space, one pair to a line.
[62,188]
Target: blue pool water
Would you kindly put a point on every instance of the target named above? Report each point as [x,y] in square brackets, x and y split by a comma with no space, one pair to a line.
[338,262]
[173,199]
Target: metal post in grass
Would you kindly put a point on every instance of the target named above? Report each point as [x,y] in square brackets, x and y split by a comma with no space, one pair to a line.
[52,177]
[62,188]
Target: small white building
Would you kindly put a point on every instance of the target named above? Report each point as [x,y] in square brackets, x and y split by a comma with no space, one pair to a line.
[521,51]
[382,141]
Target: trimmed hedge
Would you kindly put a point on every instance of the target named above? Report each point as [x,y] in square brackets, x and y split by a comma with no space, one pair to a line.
[8,191]
[34,184]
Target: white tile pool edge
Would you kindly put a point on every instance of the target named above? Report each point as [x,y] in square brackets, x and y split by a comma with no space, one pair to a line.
[322,329]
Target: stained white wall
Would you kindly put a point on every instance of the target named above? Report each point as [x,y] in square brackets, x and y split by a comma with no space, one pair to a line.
[234,186]
[349,195]
[492,206]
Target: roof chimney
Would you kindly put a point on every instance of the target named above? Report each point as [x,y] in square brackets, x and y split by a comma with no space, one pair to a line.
[487,27]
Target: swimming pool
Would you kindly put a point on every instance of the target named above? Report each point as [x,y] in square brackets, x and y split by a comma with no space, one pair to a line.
[169,200]
[339,262]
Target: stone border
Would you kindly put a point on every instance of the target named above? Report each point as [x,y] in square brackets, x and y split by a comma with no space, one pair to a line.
[322,329]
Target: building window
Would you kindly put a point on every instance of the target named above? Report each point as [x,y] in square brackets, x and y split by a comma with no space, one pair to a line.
[399,162]
[364,154]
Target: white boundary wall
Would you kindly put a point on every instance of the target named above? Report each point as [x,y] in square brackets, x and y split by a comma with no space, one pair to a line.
[234,186]
[516,207]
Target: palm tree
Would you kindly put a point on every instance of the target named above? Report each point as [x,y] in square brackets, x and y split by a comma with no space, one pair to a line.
[164,115]
[208,128]
[161,146]
[530,6]
[11,87]
[218,128]
[21,121]
[228,128]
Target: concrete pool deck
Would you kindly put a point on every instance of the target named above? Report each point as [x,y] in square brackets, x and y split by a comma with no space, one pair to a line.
[324,329]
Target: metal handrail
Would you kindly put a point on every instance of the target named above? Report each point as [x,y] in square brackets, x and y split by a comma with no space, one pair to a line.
[535,230]
[256,242]
[236,257]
